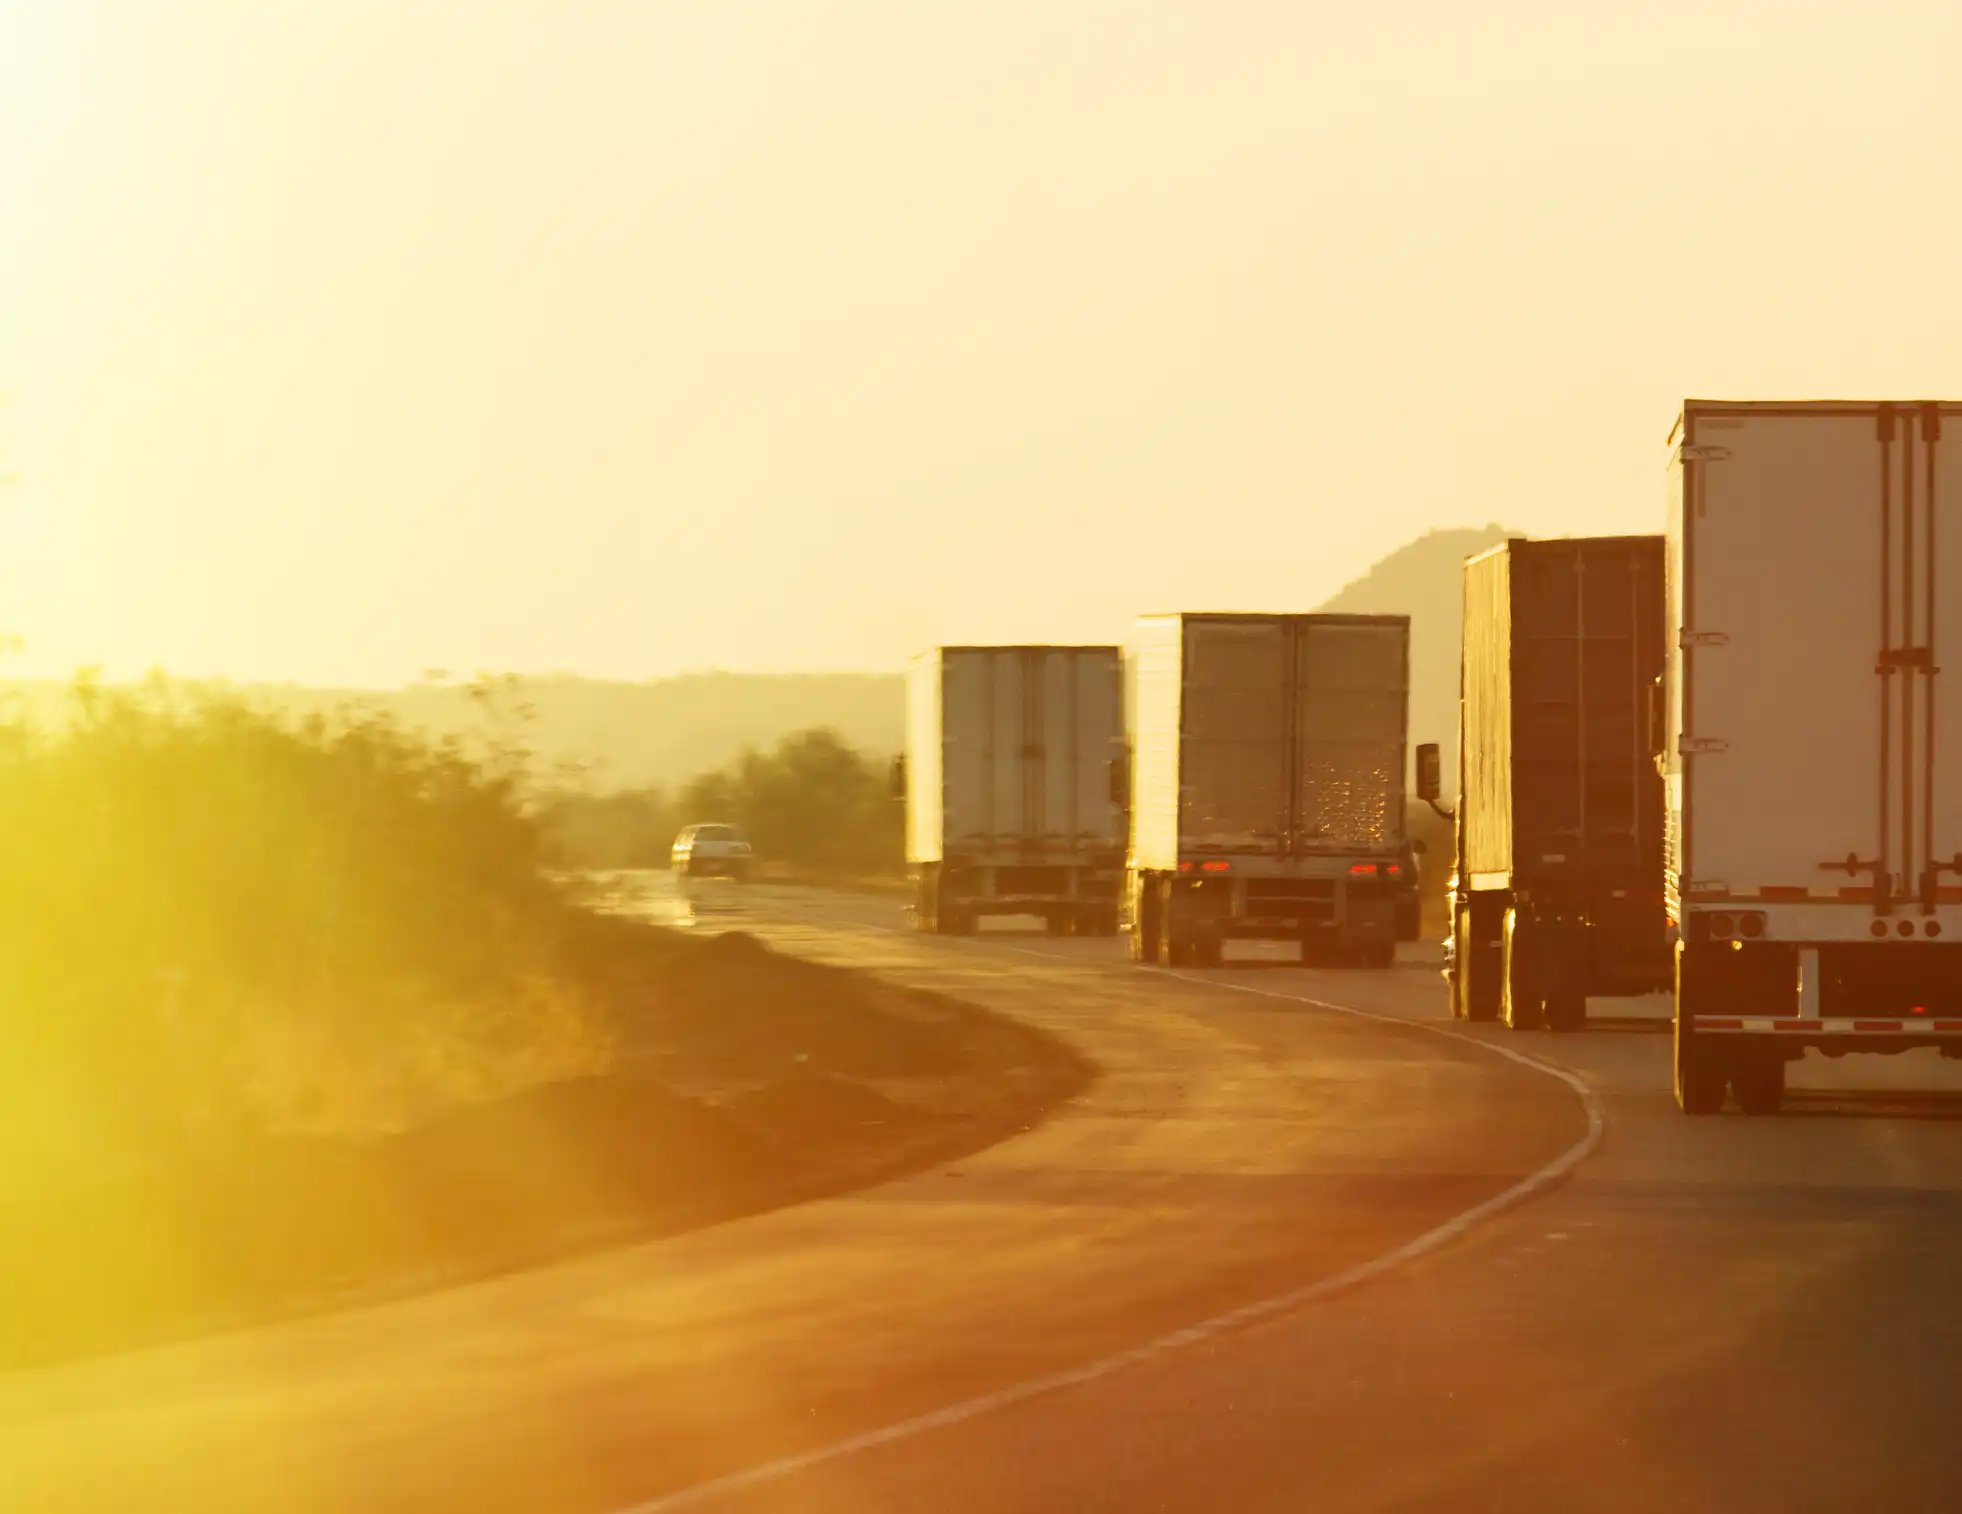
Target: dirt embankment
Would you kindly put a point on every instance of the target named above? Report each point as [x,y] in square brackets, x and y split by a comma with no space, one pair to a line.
[742,1080]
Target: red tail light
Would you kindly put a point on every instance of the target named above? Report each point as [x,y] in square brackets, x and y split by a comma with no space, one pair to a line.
[1362,868]
[1216,867]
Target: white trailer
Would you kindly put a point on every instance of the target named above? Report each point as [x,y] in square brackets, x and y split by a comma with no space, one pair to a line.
[1011,806]
[1809,736]
[1267,784]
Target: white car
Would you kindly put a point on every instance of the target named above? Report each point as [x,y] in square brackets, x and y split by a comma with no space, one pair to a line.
[712,851]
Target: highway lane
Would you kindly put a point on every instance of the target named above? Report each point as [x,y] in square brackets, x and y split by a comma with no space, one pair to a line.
[1710,1315]
[1233,1149]
[1728,1315]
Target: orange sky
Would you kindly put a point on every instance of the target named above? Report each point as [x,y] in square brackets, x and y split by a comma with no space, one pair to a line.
[351,339]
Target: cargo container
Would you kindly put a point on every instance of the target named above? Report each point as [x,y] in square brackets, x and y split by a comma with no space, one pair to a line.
[1267,784]
[1811,738]
[1011,807]
[1559,819]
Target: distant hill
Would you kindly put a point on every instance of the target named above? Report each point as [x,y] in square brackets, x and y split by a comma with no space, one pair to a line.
[1425,580]
[666,731]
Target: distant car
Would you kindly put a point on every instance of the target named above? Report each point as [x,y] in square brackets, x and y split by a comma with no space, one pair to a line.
[712,851]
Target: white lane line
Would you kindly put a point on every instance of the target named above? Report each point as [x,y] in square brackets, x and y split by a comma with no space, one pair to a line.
[1220,1324]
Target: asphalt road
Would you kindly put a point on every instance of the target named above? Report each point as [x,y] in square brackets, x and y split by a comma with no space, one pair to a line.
[1305,1245]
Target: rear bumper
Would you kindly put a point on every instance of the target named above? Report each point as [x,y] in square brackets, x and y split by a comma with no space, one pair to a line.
[1017,888]
[715,867]
[1357,927]
[1862,1034]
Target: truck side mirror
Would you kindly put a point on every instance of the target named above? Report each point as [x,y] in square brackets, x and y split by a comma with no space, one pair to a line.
[1430,773]
[898,779]
[1119,775]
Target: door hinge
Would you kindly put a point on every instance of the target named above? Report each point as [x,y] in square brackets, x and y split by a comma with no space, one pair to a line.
[1703,454]
[1920,659]
[1703,639]
[1699,746]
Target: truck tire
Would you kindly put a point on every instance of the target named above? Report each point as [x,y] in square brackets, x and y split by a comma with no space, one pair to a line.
[1699,1074]
[1185,943]
[1476,973]
[1103,920]
[1146,925]
[1700,1071]
[1520,1004]
[1758,1081]
[1566,1011]
[926,905]
[954,918]
[1378,955]
[1175,947]
[1208,951]
[1058,922]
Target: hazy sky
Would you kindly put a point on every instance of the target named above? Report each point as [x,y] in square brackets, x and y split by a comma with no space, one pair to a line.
[349,339]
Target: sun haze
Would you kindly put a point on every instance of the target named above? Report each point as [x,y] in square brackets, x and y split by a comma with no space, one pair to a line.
[347,340]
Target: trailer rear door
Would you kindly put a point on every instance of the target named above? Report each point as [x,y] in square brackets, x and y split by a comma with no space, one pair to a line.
[1233,784]
[1821,551]
[1351,701]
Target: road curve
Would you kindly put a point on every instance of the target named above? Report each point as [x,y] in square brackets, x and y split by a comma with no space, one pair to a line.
[1709,1315]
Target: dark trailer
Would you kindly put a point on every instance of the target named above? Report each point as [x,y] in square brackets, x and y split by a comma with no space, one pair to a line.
[1558,893]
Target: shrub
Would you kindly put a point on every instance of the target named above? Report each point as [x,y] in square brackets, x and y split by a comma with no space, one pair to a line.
[213,917]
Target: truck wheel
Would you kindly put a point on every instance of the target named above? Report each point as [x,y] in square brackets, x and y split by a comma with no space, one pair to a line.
[1702,1063]
[1699,1074]
[1455,977]
[1478,970]
[1566,1011]
[1759,1083]
[1145,930]
[1379,954]
[1207,951]
[1056,923]
[1175,948]
[1184,947]
[1520,1004]
[1103,920]
[954,918]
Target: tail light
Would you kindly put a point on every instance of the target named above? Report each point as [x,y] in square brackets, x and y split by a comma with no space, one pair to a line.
[1735,927]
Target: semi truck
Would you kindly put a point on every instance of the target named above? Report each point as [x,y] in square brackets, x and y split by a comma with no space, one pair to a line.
[1557,891]
[1007,779]
[1266,785]
[1809,738]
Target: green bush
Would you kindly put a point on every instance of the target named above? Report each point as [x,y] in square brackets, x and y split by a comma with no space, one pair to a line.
[213,917]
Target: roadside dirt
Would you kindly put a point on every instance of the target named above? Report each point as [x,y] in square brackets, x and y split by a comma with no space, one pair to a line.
[743,1080]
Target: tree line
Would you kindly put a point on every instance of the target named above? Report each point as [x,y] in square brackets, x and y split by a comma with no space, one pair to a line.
[811,804]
